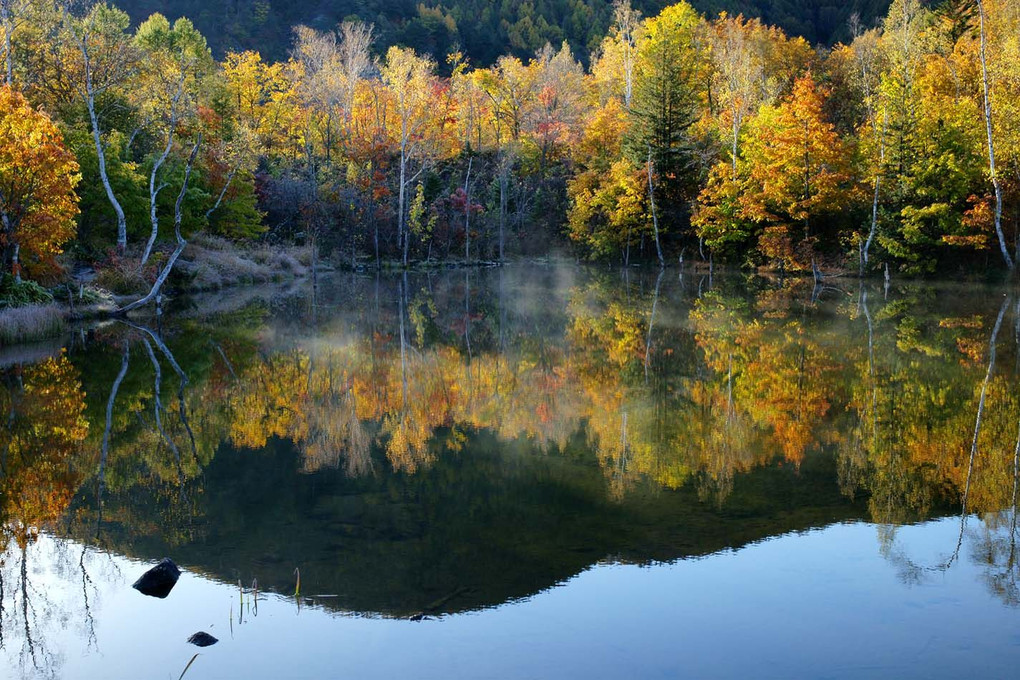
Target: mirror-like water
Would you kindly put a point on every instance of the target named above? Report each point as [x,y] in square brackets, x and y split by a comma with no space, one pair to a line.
[532,471]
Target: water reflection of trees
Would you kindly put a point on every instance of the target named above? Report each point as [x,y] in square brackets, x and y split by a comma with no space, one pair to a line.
[668,383]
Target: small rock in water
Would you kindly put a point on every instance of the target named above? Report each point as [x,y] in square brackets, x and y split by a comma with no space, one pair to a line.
[202,639]
[160,580]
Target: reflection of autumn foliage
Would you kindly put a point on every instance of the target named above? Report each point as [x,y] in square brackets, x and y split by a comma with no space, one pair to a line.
[43,406]
[749,381]
[914,412]
[676,393]
[269,401]
[779,375]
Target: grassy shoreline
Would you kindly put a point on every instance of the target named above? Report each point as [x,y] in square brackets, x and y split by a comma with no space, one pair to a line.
[208,264]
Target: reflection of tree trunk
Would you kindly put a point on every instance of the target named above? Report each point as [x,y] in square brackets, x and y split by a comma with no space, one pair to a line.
[1016,479]
[621,463]
[729,391]
[165,351]
[86,581]
[871,368]
[651,322]
[109,417]
[977,428]
[403,342]
[3,617]
[1016,460]
[158,412]
[29,642]
[226,361]
[467,325]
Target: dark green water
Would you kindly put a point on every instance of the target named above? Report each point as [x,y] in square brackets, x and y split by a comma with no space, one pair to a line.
[532,471]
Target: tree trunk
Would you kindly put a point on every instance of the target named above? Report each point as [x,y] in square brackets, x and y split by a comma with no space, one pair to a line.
[223,192]
[991,143]
[8,23]
[467,213]
[181,243]
[402,238]
[504,181]
[90,104]
[874,203]
[153,189]
[655,217]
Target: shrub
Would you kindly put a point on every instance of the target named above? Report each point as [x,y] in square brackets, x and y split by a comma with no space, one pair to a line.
[122,275]
[13,294]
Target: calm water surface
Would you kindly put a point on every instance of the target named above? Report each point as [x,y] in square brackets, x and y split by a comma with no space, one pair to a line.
[526,472]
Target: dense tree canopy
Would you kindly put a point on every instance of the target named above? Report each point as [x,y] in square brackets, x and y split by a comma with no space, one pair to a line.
[480,29]
[685,133]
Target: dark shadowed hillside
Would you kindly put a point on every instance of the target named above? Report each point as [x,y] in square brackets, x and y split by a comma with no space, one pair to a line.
[483,30]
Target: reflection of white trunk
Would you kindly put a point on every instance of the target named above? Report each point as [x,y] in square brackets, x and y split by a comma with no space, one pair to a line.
[158,411]
[977,428]
[991,143]
[871,368]
[403,344]
[651,323]
[109,414]
[729,390]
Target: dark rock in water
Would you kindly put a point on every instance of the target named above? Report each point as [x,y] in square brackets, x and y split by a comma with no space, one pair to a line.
[160,580]
[202,639]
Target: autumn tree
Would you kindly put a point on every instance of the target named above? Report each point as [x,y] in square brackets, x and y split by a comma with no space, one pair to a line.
[38,175]
[797,170]
[613,64]
[669,85]
[174,60]
[262,98]
[411,80]
[9,14]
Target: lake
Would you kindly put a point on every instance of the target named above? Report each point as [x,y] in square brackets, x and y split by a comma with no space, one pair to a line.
[534,471]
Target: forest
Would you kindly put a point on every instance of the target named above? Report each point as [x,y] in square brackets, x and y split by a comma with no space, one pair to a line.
[482,30]
[679,135]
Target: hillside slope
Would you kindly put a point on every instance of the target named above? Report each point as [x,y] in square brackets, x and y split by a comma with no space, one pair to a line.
[483,30]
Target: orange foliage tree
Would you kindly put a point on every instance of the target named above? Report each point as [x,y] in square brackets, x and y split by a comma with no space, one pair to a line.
[797,168]
[38,175]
